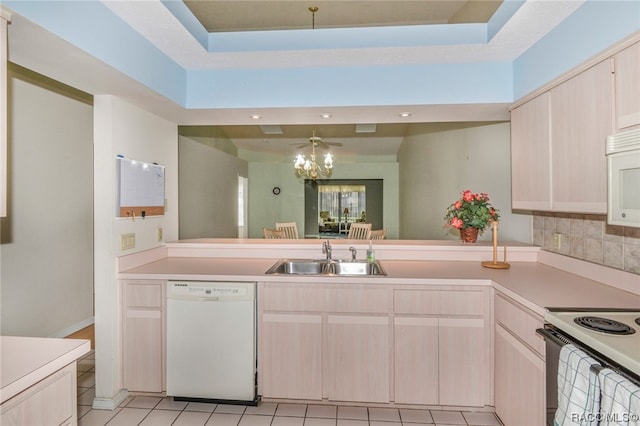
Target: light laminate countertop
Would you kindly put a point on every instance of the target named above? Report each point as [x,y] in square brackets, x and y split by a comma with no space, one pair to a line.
[24,361]
[533,284]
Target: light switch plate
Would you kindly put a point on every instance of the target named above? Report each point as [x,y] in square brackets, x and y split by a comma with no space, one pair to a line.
[159,234]
[127,241]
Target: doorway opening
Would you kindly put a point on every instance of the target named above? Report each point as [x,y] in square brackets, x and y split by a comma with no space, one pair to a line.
[332,205]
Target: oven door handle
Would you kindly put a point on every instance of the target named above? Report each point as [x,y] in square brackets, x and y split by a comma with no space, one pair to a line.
[550,336]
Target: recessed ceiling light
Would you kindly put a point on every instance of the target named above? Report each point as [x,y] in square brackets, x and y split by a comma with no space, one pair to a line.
[326,115]
[256,116]
[404,114]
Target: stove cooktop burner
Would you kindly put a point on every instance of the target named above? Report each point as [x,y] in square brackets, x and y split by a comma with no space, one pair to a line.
[605,325]
[638,320]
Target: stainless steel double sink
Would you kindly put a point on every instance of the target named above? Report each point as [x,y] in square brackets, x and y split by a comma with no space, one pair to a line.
[325,267]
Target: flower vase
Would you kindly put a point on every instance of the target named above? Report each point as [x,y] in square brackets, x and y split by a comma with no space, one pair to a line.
[469,235]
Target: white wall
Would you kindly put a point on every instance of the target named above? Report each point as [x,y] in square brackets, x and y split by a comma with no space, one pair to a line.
[121,128]
[437,162]
[265,208]
[208,187]
[47,236]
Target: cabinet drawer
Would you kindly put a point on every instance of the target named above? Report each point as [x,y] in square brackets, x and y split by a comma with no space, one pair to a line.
[440,302]
[143,294]
[292,297]
[360,300]
[520,322]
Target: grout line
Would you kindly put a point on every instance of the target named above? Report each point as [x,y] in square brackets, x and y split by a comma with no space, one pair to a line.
[274,414]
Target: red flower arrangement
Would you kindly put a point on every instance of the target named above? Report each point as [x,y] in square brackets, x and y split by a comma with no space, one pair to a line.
[471,211]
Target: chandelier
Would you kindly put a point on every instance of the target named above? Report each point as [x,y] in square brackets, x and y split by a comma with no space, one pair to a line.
[309,168]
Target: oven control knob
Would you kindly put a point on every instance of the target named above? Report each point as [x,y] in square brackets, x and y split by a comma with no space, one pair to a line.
[624,215]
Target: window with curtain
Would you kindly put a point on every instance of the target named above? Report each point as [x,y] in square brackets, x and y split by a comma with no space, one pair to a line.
[344,203]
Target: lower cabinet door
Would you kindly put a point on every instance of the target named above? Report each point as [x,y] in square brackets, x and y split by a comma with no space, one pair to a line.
[358,358]
[290,347]
[463,362]
[519,381]
[142,350]
[416,360]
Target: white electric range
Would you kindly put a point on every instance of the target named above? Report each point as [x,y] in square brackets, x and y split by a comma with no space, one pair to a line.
[613,333]
[614,344]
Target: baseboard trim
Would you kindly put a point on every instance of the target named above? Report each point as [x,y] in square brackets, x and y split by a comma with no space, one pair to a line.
[75,327]
[110,403]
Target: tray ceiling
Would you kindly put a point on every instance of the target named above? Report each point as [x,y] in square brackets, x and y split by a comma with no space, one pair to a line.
[224,16]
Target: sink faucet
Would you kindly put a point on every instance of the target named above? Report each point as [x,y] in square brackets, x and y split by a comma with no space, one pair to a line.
[326,249]
[353,252]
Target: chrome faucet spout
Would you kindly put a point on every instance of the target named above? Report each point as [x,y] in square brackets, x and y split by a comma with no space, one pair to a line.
[354,252]
[326,249]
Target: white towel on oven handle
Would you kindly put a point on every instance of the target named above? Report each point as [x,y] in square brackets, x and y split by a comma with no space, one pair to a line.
[578,389]
[620,404]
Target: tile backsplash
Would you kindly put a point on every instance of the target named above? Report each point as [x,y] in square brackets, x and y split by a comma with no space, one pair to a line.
[588,237]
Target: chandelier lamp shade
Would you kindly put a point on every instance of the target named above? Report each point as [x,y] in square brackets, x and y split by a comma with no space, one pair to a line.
[309,168]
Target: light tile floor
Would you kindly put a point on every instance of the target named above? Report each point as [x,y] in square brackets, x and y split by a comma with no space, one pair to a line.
[156,411]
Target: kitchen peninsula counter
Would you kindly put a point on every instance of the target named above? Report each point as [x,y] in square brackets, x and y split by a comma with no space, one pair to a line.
[38,379]
[534,284]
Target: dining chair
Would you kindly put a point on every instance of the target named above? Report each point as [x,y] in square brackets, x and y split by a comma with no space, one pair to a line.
[342,228]
[290,229]
[359,231]
[273,234]
[378,234]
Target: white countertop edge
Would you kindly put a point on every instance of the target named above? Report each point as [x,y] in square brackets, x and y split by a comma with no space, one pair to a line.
[353,279]
[40,372]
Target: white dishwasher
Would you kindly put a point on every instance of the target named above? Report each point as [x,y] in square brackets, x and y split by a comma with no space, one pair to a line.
[211,341]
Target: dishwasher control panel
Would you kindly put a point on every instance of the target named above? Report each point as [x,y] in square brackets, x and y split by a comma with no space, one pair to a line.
[211,290]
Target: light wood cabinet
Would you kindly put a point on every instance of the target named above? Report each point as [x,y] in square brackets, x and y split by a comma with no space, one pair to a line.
[291,356]
[519,364]
[358,358]
[144,331]
[627,87]
[581,120]
[531,155]
[448,332]
[463,378]
[52,401]
[416,364]
[324,341]
[357,346]
[558,135]
[375,343]
[291,340]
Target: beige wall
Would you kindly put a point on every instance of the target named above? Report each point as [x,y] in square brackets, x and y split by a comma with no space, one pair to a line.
[208,188]
[47,236]
[123,129]
[438,161]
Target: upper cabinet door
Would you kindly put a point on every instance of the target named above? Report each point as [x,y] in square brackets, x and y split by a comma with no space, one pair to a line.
[582,118]
[627,86]
[530,155]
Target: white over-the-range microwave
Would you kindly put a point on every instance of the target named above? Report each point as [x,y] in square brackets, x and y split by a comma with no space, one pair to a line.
[623,164]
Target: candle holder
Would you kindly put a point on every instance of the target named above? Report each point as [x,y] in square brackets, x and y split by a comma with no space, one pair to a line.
[495,264]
